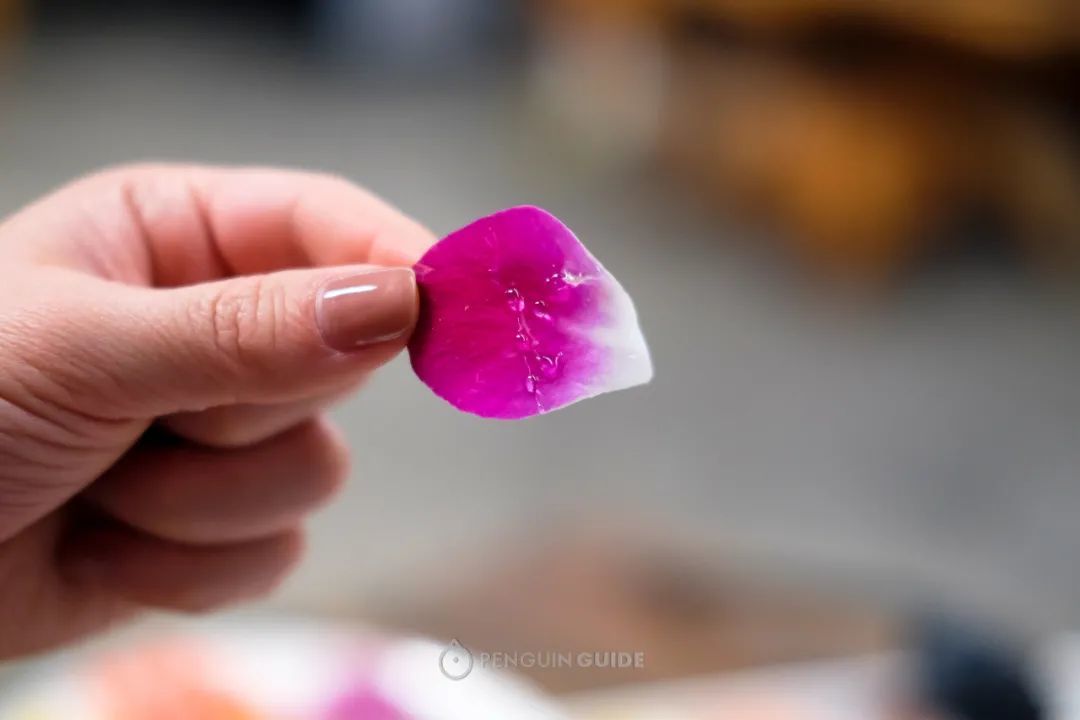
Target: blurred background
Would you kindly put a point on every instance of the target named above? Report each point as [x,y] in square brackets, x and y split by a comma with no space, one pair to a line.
[852,231]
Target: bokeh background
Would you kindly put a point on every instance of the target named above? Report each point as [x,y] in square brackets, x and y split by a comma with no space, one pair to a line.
[852,231]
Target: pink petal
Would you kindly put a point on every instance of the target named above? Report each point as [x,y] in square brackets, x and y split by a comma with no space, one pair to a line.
[518,319]
[364,703]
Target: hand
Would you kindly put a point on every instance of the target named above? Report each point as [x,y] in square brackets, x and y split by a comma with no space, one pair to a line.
[168,337]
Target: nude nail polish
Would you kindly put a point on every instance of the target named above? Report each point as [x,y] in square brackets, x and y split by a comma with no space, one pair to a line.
[367,308]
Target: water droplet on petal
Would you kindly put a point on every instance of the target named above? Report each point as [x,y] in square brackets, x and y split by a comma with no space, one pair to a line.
[555,281]
[549,366]
[514,299]
[556,339]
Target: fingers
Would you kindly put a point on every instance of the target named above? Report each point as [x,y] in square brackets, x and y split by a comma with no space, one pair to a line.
[123,563]
[198,495]
[232,426]
[168,225]
[199,527]
[126,352]
[259,215]
[278,337]
[233,326]
[39,608]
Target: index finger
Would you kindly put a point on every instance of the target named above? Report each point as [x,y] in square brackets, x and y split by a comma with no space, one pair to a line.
[168,225]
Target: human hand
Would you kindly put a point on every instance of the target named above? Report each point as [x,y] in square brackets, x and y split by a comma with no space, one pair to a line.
[168,337]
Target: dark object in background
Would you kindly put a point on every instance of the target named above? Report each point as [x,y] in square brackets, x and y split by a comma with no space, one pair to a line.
[423,37]
[965,672]
[418,36]
[282,16]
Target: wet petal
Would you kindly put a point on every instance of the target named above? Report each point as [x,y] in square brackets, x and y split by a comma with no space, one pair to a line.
[517,318]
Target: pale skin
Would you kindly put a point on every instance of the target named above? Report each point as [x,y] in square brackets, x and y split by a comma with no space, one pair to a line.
[164,365]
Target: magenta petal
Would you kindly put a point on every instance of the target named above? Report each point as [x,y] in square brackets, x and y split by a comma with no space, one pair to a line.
[364,703]
[517,319]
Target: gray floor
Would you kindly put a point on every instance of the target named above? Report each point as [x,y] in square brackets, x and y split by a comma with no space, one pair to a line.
[927,445]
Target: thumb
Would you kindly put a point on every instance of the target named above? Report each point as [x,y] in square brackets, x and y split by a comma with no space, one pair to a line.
[140,352]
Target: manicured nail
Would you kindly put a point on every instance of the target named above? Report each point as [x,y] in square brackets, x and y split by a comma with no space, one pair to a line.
[367,308]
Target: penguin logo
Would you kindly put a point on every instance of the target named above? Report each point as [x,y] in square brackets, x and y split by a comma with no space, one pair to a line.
[455,662]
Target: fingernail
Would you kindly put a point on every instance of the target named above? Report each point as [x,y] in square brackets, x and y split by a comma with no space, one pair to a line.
[366,308]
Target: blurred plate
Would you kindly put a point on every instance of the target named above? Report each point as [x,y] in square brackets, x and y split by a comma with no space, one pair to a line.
[270,670]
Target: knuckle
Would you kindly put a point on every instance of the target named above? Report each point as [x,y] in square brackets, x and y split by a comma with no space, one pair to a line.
[245,321]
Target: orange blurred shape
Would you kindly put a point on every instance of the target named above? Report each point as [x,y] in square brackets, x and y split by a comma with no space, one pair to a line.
[170,681]
[849,171]
[12,20]
[1001,27]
